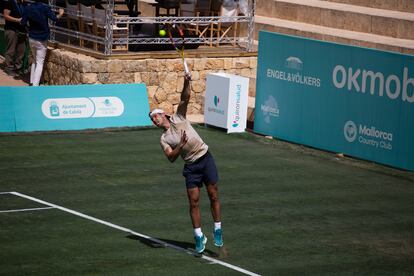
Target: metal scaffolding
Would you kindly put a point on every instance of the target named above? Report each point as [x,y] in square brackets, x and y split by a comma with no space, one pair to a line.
[111,22]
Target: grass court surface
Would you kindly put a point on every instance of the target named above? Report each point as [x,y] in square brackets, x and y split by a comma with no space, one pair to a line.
[287,210]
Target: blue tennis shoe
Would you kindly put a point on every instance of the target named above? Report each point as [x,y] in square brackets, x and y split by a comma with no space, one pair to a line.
[200,243]
[218,238]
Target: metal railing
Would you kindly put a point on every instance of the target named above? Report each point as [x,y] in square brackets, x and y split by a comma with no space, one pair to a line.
[64,35]
[109,41]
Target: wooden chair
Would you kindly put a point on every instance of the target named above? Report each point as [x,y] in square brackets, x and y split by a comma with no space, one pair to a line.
[93,21]
[72,17]
[225,26]
[85,22]
[168,6]
[203,7]
[197,8]
[99,29]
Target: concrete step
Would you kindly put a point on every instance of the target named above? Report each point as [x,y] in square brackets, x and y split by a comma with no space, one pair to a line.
[396,5]
[341,16]
[334,35]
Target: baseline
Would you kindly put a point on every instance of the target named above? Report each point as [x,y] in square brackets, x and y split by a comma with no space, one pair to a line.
[163,243]
[26,210]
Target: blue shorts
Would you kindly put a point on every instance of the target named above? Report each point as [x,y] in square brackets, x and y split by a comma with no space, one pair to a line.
[201,171]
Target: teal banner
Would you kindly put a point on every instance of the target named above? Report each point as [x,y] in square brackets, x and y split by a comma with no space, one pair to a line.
[339,98]
[73,107]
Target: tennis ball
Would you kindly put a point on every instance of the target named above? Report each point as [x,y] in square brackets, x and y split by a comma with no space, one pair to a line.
[162,32]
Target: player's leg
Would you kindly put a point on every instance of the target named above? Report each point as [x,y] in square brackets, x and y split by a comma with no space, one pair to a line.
[210,178]
[193,195]
[194,201]
[193,182]
[212,191]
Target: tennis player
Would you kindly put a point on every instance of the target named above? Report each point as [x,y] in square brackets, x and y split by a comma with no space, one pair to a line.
[180,138]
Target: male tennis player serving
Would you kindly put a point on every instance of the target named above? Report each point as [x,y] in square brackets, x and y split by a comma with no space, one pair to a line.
[180,138]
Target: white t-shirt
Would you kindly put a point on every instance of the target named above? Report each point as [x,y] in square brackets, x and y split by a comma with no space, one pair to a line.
[195,146]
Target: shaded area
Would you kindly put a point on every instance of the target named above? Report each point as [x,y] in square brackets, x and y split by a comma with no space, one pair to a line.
[182,244]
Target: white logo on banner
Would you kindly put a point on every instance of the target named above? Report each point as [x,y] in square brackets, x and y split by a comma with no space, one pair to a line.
[75,108]
[107,106]
[370,136]
[350,131]
[363,81]
[294,63]
[270,109]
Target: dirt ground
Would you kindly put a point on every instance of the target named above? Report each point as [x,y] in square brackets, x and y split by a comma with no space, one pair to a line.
[6,80]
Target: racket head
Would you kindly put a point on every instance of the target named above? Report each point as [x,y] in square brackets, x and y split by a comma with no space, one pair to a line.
[176,35]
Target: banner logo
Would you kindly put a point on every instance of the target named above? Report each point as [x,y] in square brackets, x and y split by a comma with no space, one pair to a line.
[107,106]
[236,117]
[54,109]
[350,131]
[361,80]
[368,135]
[77,108]
[294,63]
[216,109]
[269,109]
[216,101]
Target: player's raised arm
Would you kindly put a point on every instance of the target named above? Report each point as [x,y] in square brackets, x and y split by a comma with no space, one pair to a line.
[185,96]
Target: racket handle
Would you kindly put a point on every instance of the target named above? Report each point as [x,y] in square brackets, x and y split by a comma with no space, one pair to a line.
[187,71]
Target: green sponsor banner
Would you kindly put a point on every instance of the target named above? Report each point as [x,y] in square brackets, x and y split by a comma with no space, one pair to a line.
[339,98]
[73,107]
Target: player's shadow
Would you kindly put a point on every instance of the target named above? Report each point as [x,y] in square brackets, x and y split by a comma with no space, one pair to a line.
[181,244]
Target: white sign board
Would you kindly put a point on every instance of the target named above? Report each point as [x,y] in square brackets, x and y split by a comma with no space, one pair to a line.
[226,101]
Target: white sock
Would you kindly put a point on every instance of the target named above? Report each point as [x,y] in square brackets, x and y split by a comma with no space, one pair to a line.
[217,225]
[197,232]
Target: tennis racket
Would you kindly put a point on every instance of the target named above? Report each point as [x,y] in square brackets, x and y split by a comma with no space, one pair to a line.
[178,43]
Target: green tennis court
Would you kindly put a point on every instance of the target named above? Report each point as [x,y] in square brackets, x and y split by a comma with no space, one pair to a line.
[110,203]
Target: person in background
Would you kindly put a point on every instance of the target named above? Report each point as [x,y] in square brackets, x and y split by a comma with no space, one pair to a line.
[240,7]
[36,16]
[15,36]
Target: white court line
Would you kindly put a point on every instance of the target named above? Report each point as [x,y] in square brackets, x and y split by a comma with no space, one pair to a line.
[25,210]
[163,243]
[3,193]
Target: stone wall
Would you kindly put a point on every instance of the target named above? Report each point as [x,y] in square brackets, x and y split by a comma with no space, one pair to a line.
[164,77]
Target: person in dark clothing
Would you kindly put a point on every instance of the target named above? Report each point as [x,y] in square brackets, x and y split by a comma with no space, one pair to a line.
[15,36]
[36,16]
